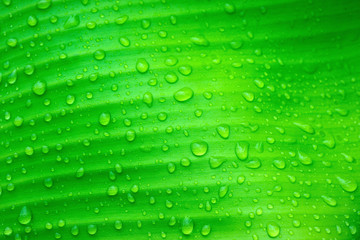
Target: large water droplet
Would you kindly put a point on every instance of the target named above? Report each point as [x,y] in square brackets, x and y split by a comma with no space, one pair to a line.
[43,4]
[305,127]
[223,130]
[347,184]
[242,150]
[329,200]
[187,226]
[72,21]
[273,229]
[25,215]
[142,65]
[199,148]
[104,118]
[183,94]
[39,88]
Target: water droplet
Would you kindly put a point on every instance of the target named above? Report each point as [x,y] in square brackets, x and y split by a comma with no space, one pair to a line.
[329,201]
[104,118]
[205,230]
[171,61]
[273,229]
[11,79]
[223,130]
[75,230]
[145,23]
[99,54]
[185,70]
[112,190]
[148,99]
[279,163]
[171,77]
[72,21]
[118,224]
[92,229]
[229,8]
[142,65]
[18,121]
[187,226]
[171,167]
[43,4]
[253,163]
[305,127]
[39,88]
[80,172]
[215,162]
[241,179]
[130,135]
[304,158]
[48,182]
[124,41]
[32,21]
[185,162]
[25,216]
[347,184]
[70,99]
[242,150]
[29,69]
[199,148]
[223,191]
[200,41]
[121,20]
[12,42]
[248,96]
[183,94]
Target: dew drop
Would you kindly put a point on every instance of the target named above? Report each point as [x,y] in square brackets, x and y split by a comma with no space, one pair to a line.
[112,190]
[25,216]
[72,21]
[273,229]
[99,54]
[32,21]
[200,41]
[92,229]
[187,226]
[215,162]
[183,94]
[305,127]
[347,184]
[304,158]
[43,4]
[223,130]
[39,88]
[329,200]
[199,148]
[104,118]
[142,66]
[130,135]
[242,150]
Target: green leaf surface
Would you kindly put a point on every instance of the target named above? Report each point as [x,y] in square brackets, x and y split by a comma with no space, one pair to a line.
[179,119]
